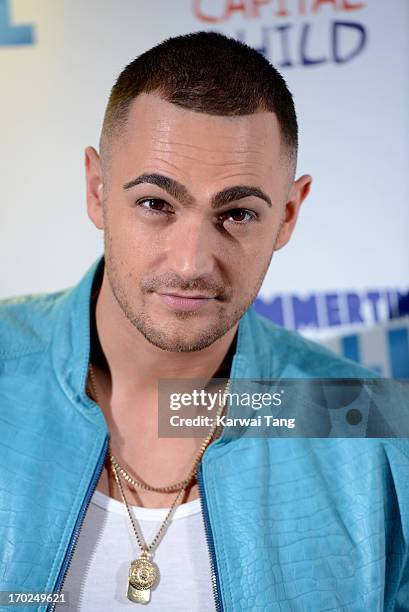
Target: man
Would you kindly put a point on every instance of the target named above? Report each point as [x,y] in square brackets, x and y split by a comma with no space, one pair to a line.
[194,188]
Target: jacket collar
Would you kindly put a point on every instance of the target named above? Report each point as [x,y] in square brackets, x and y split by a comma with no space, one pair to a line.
[70,350]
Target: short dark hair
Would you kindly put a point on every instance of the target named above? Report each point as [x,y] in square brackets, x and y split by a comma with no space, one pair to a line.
[209,73]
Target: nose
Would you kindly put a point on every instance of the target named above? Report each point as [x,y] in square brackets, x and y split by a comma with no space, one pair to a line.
[191,250]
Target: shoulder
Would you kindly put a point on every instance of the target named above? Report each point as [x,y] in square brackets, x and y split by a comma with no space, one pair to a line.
[27,322]
[299,356]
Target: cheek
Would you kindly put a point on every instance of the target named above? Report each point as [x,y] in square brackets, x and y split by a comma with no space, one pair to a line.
[125,252]
[258,246]
[248,266]
[130,241]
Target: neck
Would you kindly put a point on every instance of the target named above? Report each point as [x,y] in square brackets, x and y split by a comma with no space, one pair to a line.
[133,362]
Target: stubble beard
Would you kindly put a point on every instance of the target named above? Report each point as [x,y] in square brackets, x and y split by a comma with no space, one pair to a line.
[175,341]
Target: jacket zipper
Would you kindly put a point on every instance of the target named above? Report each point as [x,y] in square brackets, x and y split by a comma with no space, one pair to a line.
[80,519]
[210,543]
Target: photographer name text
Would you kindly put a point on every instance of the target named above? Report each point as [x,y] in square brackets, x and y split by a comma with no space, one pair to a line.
[224,421]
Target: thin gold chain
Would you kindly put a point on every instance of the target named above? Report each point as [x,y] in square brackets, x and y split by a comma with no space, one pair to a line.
[145,548]
[137,484]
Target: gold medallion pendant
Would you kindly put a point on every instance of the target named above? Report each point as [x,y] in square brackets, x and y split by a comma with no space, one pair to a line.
[143,574]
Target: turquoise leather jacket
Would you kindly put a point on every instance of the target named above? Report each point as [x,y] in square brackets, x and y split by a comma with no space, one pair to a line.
[301,524]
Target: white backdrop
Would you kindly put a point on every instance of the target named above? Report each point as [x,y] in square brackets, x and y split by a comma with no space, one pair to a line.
[59,59]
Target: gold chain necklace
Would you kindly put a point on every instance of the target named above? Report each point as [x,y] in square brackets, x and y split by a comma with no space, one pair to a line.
[143,573]
[137,484]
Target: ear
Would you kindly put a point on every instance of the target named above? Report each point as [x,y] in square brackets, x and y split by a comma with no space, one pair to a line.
[298,192]
[95,187]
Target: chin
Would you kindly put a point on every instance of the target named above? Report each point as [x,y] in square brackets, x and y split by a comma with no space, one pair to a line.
[181,341]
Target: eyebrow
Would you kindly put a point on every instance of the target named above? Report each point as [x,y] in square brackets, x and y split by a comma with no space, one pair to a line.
[179,191]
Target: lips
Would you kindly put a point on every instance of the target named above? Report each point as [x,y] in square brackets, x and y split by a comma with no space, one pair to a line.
[189,296]
[183,302]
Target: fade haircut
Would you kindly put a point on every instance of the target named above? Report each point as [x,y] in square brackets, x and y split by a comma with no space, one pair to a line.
[205,72]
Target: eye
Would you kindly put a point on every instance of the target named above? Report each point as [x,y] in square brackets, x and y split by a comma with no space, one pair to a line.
[154,206]
[239,216]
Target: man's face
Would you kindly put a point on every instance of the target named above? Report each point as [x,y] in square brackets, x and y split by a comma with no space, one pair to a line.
[192,208]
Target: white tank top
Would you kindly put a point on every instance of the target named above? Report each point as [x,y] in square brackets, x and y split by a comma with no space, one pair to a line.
[97,577]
